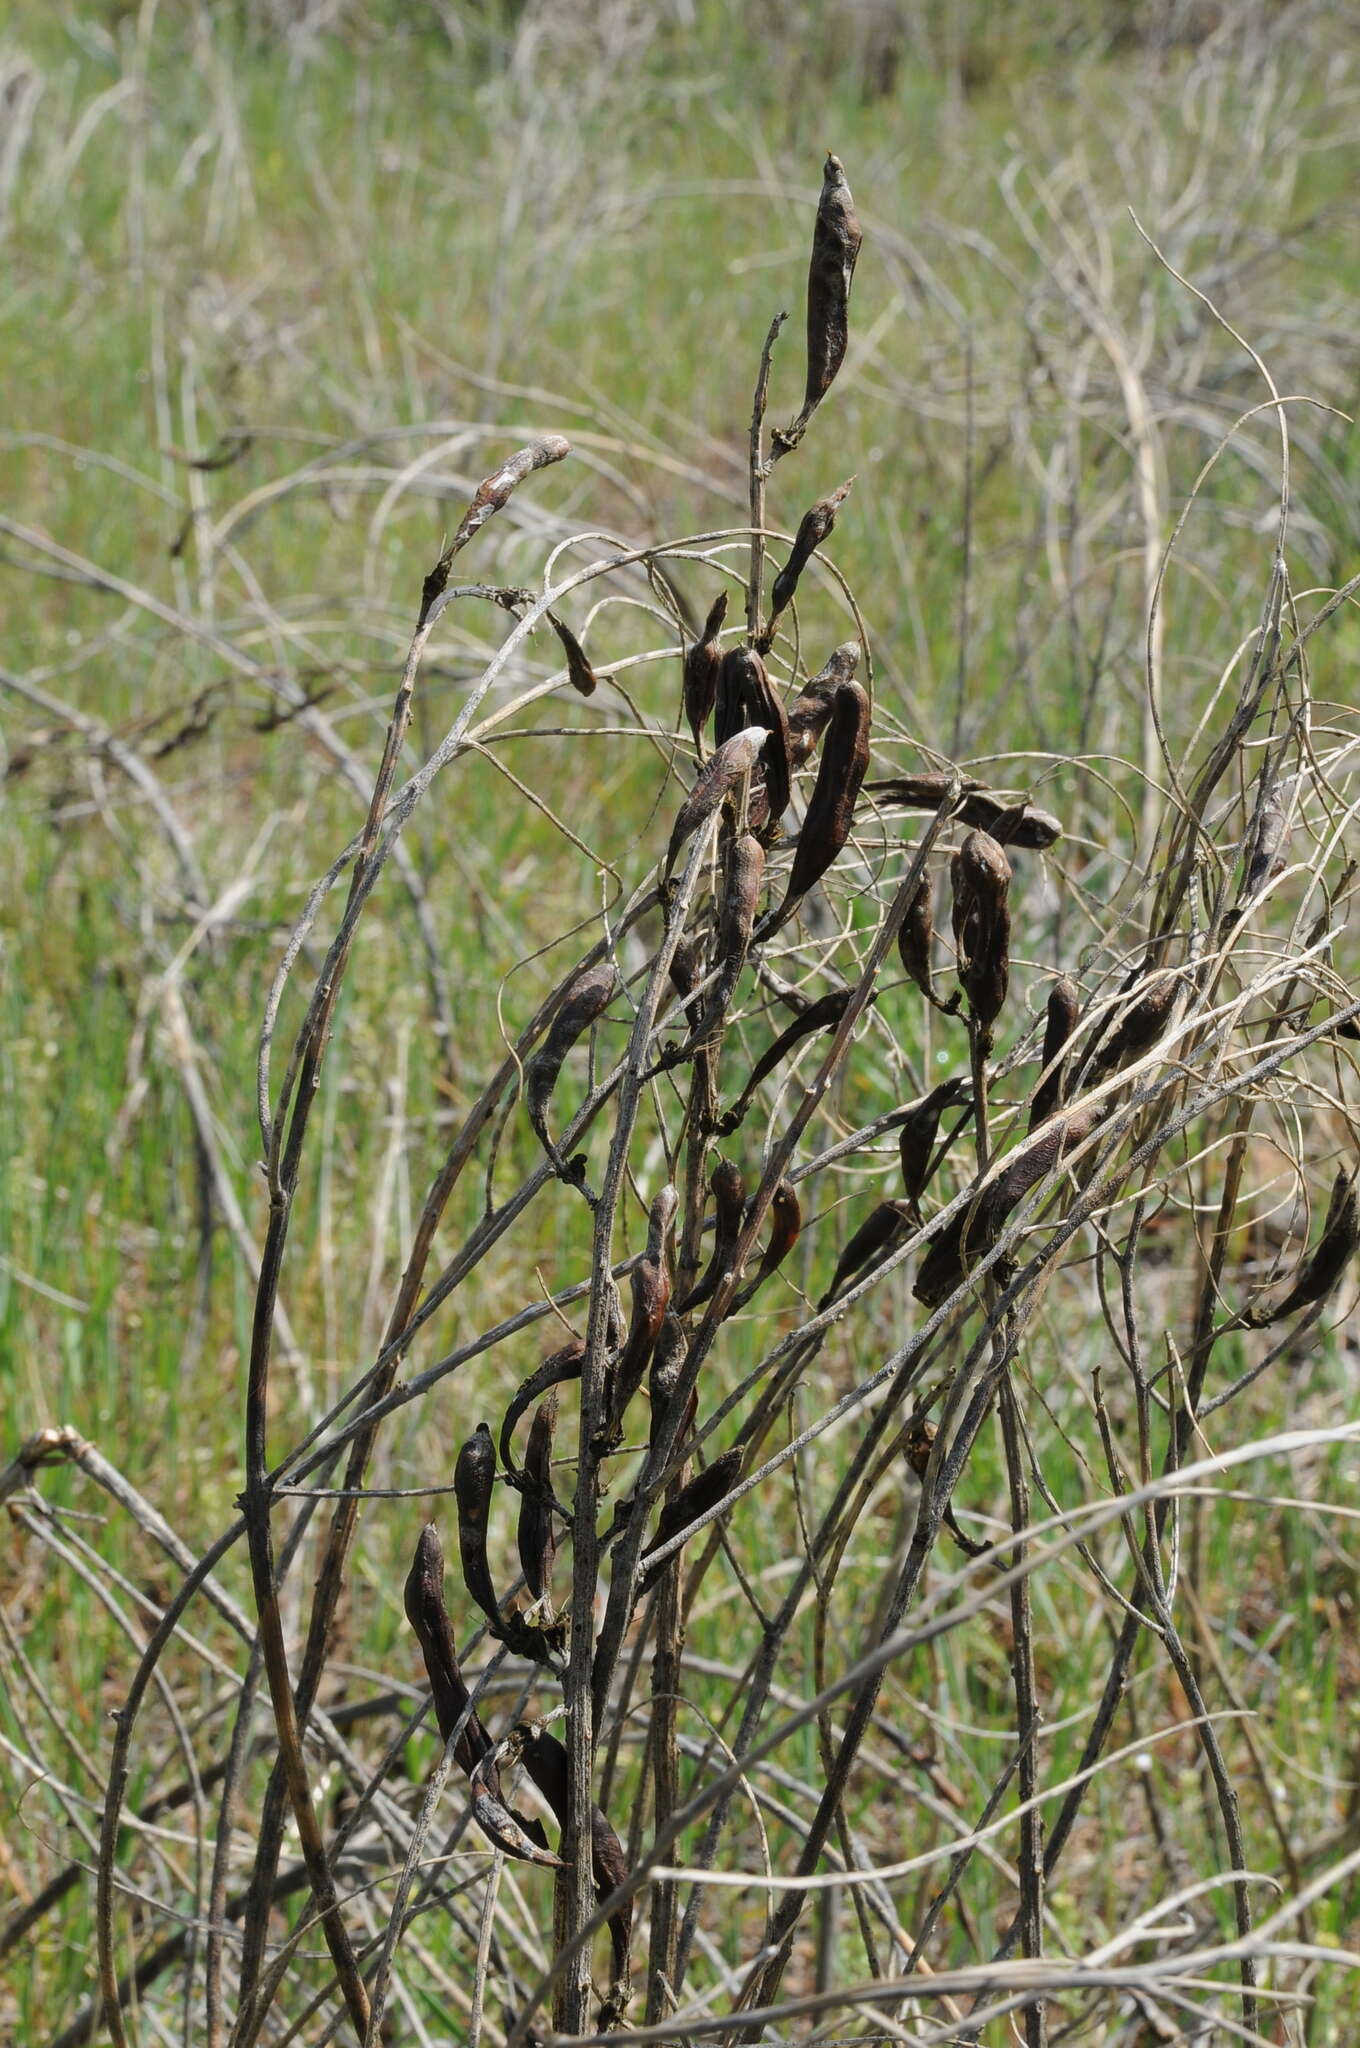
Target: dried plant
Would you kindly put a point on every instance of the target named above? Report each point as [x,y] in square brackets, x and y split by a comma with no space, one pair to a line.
[1193,1027]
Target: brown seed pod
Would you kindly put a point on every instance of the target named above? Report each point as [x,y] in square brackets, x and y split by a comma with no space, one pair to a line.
[584,1003]
[786,1221]
[1323,1267]
[492,493]
[882,1228]
[823,1015]
[702,663]
[1063,1016]
[745,872]
[723,770]
[545,1759]
[916,1143]
[651,1287]
[981,876]
[536,1535]
[695,1498]
[556,1369]
[518,1836]
[1261,861]
[810,712]
[580,674]
[915,935]
[831,807]
[1140,1026]
[1022,824]
[474,1476]
[429,1618]
[814,527]
[836,239]
[728,1189]
[917,1454]
[686,972]
[746,696]
[668,1363]
[975,1229]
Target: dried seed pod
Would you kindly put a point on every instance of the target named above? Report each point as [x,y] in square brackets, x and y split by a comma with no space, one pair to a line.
[473,1479]
[584,1003]
[836,239]
[580,674]
[429,1618]
[917,1454]
[810,712]
[981,876]
[915,935]
[492,493]
[814,527]
[882,1228]
[916,1143]
[734,757]
[545,1759]
[1141,1025]
[823,1015]
[975,1229]
[728,1189]
[556,1369]
[746,696]
[786,1221]
[1323,1267]
[1261,860]
[702,663]
[831,808]
[523,1839]
[668,1363]
[695,1498]
[1063,1016]
[536,1535]
[686,972]
[651,1286]
[742,881]
[1022,824]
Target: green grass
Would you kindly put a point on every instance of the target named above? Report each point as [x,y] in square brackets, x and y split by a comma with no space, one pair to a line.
[331,246]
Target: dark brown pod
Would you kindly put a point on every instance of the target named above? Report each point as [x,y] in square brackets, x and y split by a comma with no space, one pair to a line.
[734,757]
[728,1189]
[881,1229]
[493,492]
[836,239]
[916,1142]
[815,526]
[474,1477]
[1063,1016]
[981,876]
[810,712]
[823,1015]
[536,1535]
[428,1616]
[668,1363]
[580,674]
[584,1003]
[744,874]
[746,696]
[1324,1265]
[786,1222]
[557,1368]
[917,1454]
[1022,824]
[831,807]
[523,1839]
[701,669]
[545,1759]
[975,1229]
[651,1288]
[1141,1025]
[915,936]
[695,1498]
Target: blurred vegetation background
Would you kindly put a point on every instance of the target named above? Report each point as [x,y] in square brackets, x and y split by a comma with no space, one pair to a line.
[279,281]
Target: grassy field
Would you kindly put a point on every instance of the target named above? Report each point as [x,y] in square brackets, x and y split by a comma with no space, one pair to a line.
[280,287]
